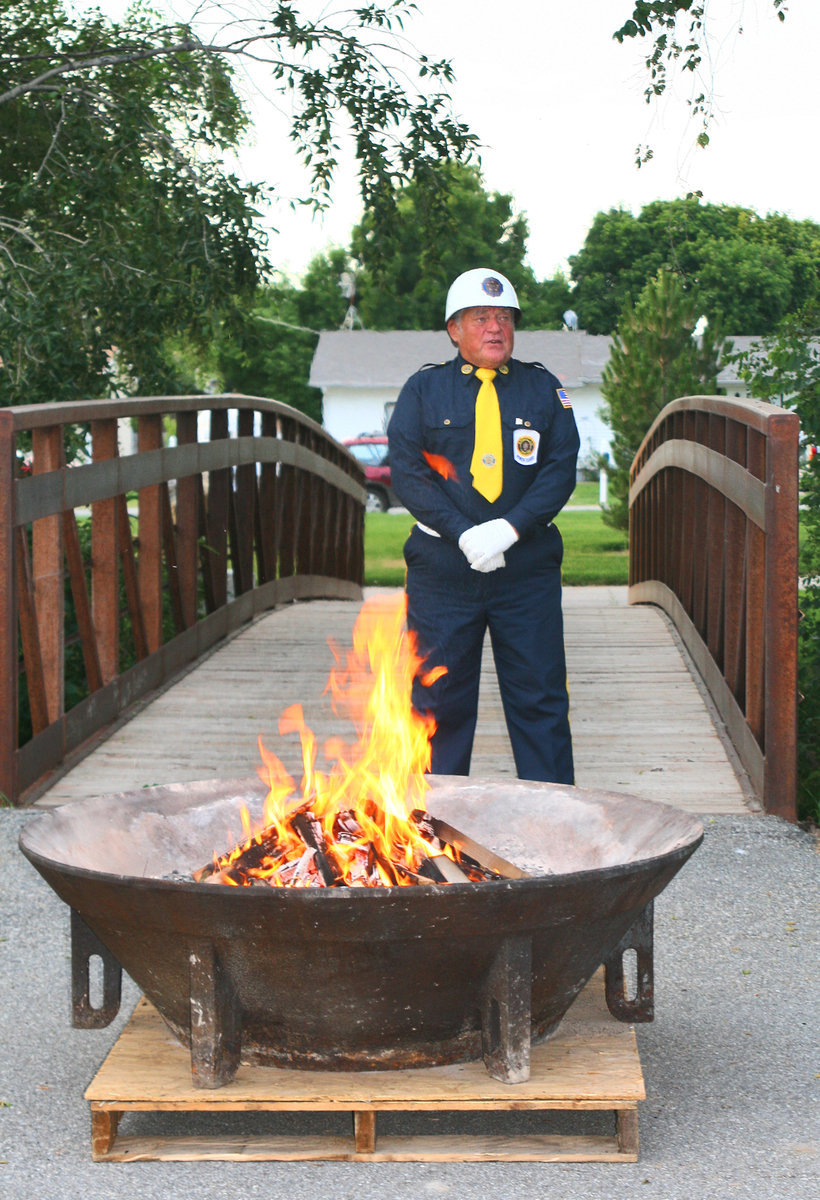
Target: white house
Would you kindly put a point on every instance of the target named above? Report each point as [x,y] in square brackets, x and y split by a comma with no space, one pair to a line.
[361,372]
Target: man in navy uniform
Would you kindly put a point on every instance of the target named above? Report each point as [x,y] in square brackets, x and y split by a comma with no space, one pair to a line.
[483,452]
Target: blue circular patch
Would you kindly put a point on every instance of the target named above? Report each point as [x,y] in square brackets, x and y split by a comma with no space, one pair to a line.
[492,286]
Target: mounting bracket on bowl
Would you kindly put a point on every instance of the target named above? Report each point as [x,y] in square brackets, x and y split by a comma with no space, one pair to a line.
[85,945]
[638,938]
[506,1012]
[216,1019]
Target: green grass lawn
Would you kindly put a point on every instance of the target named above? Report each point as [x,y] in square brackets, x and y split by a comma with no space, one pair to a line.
[585,493]
[593,552]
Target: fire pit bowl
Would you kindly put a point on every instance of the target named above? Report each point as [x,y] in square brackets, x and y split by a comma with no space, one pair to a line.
[376,978]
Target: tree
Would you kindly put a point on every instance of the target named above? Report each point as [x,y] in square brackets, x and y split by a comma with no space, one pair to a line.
[119,227]
[749,270]
[114,232]
[654,359]
[404,273]
[785,368]
[268,350]
[679,33]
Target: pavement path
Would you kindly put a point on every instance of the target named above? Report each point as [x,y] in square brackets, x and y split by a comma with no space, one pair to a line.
[731,1062]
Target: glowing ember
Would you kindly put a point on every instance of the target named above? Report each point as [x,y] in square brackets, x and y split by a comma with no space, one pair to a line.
[441,465]
[362,822]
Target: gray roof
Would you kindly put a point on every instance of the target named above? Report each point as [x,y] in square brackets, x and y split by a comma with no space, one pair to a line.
[366,358]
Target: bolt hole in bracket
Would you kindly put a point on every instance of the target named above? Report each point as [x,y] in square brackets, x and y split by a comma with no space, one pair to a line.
[635,949]
[88,953]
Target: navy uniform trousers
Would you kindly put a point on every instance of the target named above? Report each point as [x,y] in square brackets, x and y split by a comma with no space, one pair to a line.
[450,607]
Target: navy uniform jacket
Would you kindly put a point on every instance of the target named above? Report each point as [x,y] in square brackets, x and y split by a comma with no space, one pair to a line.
[435,412]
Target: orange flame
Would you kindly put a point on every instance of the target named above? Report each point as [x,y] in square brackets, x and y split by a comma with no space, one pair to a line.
[441,465]
[373,784]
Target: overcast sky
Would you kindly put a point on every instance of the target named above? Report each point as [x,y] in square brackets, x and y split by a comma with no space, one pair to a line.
[558,106]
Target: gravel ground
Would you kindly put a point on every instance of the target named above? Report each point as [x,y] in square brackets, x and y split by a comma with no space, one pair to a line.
[732,1061]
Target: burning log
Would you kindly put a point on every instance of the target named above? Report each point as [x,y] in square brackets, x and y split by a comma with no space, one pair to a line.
[442,869]
[444,855]
[310,831]
[255,855]
[362,823]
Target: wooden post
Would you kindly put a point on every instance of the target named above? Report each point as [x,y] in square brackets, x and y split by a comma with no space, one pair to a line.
[149,563]
[105,572]
[734,567]
[187,523]
[780,764]
[267,514]
[758,545]
[364,1131]
[8,615]
[244,513]
[219,482]
[48,575]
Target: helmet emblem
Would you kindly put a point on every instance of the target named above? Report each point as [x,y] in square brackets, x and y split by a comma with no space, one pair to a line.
[492,286]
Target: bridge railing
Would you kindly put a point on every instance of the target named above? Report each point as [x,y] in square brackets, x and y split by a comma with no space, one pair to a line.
[129,565]
[713,540]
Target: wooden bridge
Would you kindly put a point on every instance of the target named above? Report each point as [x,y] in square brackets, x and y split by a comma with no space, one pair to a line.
[158,640]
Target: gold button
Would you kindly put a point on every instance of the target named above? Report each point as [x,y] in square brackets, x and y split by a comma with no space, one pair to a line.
[505,370]
[446,420]
[466,369]
[528,423]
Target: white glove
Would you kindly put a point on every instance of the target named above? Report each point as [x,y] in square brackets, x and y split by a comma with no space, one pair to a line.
[491,564]
[483,543]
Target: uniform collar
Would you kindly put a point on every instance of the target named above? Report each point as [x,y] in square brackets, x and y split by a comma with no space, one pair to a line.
[467,370]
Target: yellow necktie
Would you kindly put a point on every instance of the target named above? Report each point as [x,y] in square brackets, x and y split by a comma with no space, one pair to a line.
[486,467]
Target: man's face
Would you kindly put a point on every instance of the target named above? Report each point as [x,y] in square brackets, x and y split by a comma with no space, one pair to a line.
[484,336]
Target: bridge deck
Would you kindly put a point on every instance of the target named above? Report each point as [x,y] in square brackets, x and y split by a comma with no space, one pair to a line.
[640,721]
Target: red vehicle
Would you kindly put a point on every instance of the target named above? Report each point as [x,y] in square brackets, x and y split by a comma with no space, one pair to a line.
[371,451]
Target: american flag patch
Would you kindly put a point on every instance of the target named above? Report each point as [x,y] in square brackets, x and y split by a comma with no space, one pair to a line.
[563,397]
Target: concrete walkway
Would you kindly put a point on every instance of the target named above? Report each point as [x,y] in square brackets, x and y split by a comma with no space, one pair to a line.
[731,1061]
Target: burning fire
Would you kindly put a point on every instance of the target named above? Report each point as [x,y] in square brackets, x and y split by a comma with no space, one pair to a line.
[362,822]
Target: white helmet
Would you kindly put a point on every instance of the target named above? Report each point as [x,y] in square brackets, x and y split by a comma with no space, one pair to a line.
[480,288]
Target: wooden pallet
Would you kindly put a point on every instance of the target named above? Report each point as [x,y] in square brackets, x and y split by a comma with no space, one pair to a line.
[592,1063]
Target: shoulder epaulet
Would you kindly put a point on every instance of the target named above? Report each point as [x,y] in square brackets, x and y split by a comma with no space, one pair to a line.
[427,366]
[539,365]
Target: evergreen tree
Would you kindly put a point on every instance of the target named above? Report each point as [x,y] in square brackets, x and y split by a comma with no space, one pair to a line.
[655,358]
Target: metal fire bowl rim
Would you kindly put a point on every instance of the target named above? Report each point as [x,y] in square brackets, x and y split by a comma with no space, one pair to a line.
[691,835]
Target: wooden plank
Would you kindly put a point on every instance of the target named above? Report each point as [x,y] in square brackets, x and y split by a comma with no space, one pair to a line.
[219,483]
[640,721]
[29,639]
[187,524]
[82,604]
[47,574]
[544,1148]
[105,572]
[130,579]
[149,560]
[171,566]
[243,513]
[9,652]
[590,1065]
